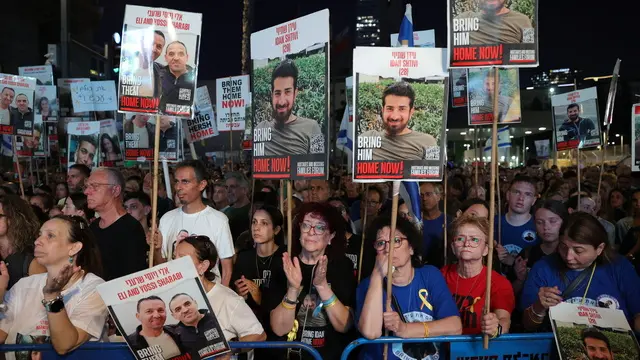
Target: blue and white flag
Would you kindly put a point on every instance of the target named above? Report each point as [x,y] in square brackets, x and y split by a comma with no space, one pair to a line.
[410,193]
[7,146]
[504,140]
[406,27]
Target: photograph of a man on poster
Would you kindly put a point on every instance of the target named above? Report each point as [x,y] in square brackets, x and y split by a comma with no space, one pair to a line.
[86,150]
[398,141]
[577,127]
[497,23]
[178,80]
[290,133]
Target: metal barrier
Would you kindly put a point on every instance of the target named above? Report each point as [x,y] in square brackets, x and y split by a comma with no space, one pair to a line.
[120,350]
[463,347]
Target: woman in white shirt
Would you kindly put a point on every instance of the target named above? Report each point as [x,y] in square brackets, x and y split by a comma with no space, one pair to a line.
[237,320]
[62,304]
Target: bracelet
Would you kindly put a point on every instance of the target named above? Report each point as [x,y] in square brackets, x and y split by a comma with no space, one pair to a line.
[287,306]
[329,303]
[541,316]
[495,335]
[426,329]
[534,320]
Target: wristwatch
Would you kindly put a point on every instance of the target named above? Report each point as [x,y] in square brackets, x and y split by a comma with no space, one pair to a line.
[54,306]
[290,302]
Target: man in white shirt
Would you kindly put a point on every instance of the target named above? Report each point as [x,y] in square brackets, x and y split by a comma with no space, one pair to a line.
[152,314]
[195,218]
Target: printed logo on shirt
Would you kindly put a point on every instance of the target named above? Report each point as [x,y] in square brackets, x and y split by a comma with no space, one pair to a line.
[529,236]
[427,352]
[263,283]
[513,249]
[468,313]
[608,301]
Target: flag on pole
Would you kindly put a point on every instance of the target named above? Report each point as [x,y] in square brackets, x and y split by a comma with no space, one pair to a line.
[406,27]
[410,193]
[504,140]
[345,134]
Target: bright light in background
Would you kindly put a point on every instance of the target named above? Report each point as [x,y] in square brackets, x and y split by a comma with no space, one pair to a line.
[552,90]
[527,132]
[116,37]
[472,130]
[447,130]
[542,128]
[527,148]
[529,87]
[463,133]
[617,135]
[510,136]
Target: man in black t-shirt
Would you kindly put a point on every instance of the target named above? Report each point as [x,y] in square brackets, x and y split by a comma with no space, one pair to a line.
[120,237]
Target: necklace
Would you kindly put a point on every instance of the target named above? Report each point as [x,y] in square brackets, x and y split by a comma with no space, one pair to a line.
[458,276]
[263,262]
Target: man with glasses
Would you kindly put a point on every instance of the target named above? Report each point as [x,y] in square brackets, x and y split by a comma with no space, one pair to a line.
[371,205]
[518,229]
[120,237]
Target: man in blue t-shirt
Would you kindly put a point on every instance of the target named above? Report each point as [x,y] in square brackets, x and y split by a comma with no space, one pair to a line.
[517,226]
[433,223]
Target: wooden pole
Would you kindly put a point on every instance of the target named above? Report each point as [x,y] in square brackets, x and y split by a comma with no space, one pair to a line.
[154,193]
[392,235]
[364,226]
[289,219]
[47,151]
[475,144]
[281,197]
[492,197]
[17,162]
[444,224]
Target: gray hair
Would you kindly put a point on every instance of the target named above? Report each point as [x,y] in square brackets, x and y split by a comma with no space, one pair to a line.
[240,178]
[115,178]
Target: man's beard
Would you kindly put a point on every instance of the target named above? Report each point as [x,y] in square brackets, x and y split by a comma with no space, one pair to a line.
[491,9]
[280,118]
[574,117]
[394,131]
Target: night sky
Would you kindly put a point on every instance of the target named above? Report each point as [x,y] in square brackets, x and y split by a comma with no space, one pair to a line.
[572,33]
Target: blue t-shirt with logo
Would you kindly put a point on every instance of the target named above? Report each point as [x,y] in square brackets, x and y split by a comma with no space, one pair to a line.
[427,298]
[615,285]
[516,238]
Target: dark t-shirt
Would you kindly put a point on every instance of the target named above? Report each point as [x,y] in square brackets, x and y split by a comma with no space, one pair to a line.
[238,220]
[123,247]
[318,331]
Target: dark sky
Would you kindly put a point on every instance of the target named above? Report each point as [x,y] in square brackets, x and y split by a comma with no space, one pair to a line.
[572,34]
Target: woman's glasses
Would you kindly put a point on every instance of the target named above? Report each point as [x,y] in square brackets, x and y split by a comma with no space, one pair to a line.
[472,242]
[382,244]
[318,229]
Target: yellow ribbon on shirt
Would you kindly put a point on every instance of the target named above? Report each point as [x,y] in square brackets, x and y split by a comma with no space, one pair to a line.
[473,304]
[423,294]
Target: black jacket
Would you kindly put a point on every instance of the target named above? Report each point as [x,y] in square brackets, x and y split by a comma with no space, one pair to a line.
[177,92]
[18,119]
[194,338]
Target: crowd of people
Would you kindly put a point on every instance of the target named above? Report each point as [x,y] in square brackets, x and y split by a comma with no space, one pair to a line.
[58,243]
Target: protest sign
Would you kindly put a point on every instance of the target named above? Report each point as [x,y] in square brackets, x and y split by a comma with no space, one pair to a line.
[16,104]
[202,126]
[585,332]
[542,148]
[232,100]
[64,96]
[42,73]
[170,288]
[400,113]
[159,61]
[480,88]
[203,100]
[83,143]
[110,152]
[493,33]
[458,87]
[576,119]
[46,102]
[424,38]
[139,135]
[32,145]
[94,96]
[290,89]
[635,137]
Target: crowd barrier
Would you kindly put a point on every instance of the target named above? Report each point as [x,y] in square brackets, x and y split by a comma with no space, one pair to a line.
[120,350]
[506,347]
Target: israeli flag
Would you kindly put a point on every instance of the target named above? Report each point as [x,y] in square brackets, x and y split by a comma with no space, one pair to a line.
[7,146]
[406,28]
[410,193]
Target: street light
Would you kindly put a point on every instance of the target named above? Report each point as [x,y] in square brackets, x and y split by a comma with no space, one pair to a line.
[116,37]
[552,90]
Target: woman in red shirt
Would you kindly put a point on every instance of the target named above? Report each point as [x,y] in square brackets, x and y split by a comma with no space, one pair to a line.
[468,278]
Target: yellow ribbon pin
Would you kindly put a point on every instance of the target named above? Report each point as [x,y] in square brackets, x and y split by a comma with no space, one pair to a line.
[423,294]
[473,304]
[291,336]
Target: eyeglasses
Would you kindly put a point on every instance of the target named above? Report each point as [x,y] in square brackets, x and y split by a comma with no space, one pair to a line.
[462,240]
[319,229]
[382,244]
[94,186]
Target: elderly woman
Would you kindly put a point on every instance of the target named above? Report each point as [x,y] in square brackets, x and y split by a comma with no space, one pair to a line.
[422,303]
[467,280]
[62,303]
[312,302]
[584,271]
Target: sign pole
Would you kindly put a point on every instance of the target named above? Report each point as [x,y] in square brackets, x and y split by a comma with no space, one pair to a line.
[154,193]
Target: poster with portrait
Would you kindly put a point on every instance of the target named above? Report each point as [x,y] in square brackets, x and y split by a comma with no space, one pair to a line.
[593,333]
[153,308]
[159,61]
[576,119]
[139,137]
[635,137]
[46,102]
[400,102]
[458,87]
[109,140]
[480,88]
[484,33]
[232,101]
[423,38]
[64,97]
[543,148]
[42,73]
[83,143]
[16,104]
[34,145]
[290,104]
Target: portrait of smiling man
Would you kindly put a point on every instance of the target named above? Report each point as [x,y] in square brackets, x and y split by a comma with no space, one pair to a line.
[151,312]
[178,80]
[398,141]
[290,133]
